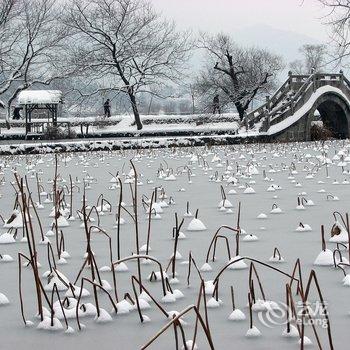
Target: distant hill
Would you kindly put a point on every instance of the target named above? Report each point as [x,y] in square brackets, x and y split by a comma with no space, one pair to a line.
[282,42]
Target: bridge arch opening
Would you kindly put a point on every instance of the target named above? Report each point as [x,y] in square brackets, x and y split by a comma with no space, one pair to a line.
[332,116]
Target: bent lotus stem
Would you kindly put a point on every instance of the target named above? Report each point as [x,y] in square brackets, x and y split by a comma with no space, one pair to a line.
[341,218]
[50,252]
[119,217]
[99,198]
[38,187]
[71,196]
[95,285]
[29,232]
[62,243]
[72,288]
[38,218]
[183,336]
[227,247]
[57,215]
[304,201]
[135,207]
[147,257]
[190,262]
[177,233]
[237,242]
[252,291]
[297,269]
[135,280]
[252,270]
[239,217]
[313,278]
[223,194]
[214,238]
[168,286]
[291,309]
[93,208]
[276,251]
[339,245]
[334,257]
[330,196]
[324,247]
[250,311]
[20,256]
[253,260]
[233,298]
[175,320]
[340,265]
[90,256]
[149,223]
[110,256]
[201,295]
[196,215]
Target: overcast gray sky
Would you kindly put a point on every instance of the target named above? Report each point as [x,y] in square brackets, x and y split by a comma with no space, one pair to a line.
[303,17]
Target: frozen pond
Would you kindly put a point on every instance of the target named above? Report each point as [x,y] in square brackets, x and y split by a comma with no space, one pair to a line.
[261,177]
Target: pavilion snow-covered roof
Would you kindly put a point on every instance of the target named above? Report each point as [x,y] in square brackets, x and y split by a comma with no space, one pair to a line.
[30,97]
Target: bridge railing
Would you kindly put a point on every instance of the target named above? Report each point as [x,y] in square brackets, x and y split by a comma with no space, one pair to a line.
[310,85]
[280,93]
[287,107]
[293,94]
[275,102]
[258,113]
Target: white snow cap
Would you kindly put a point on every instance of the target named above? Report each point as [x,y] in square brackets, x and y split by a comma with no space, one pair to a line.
[39,97]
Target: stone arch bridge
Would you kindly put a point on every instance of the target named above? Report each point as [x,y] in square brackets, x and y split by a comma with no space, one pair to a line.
[301,102]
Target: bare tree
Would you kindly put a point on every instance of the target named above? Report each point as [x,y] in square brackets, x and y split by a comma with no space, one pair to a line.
[6,7]
[31,50]
[238,74]
[297,67]
[313,59]
[339,22]
[126,47]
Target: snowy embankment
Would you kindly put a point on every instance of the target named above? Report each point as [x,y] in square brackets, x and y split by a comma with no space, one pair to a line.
[152,124]
[112,145]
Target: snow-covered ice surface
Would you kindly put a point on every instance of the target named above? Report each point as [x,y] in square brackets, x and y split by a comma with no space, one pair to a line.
[284,165]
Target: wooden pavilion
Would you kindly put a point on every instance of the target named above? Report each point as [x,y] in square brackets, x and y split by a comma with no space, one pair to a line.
[34,102]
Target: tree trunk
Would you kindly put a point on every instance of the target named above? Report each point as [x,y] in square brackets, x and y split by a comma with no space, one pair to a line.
[135,111]
[193,104]
[8,117]
[150,105]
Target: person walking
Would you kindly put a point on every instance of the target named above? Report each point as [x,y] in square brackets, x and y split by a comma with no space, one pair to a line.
[107,108]
[216,104]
